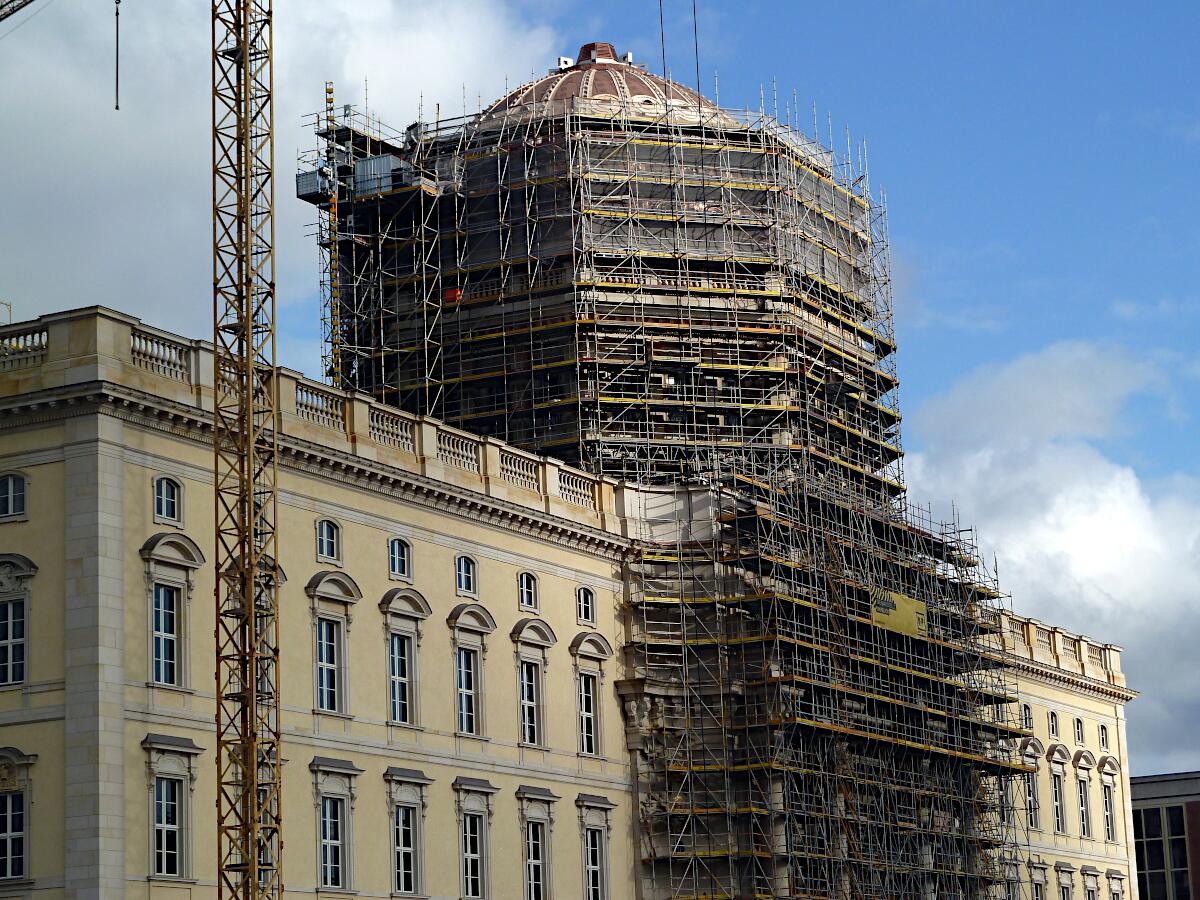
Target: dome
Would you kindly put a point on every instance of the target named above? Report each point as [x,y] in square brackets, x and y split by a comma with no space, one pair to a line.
[599,76]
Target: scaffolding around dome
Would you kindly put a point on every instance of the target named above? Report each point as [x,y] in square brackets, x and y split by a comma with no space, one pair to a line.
[614,271]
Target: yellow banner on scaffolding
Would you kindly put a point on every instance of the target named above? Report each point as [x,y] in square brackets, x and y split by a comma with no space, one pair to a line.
[899,612]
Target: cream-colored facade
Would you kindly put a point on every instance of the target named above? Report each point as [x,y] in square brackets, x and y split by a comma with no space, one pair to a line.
[1077,804]
[433,580]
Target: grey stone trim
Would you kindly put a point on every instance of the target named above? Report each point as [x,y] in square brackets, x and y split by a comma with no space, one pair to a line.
[479,785]
[411,776]
[536,793]
[594,800]
[1063,867]
[329,764]
[1115,874]
[171,744]
[1089,870]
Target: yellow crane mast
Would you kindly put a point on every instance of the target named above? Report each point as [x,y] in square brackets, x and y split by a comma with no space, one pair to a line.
[245,440]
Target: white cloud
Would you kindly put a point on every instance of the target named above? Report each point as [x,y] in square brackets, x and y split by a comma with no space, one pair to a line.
[1081,539]
[114,207]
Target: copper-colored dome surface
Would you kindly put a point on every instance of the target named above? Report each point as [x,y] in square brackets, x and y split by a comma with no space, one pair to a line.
[598,74]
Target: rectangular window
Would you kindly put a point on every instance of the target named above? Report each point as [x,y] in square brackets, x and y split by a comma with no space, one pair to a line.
[586,602]
[595,865]
[530,712]
[1056,793]
[1039,892]
[1085,808]
[405,845]
[1091,894]
[1064,892]
[1032,806]
[587,714]
[467,677]
[328,665]
[535,861]
[166,634]
[12,835]
[168,797]
[399,675]
[1110,824]
[472,856]
[333,870]
[12,641]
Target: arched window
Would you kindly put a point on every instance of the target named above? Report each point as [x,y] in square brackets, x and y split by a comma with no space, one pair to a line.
[1079,731]
[533,639]
[400,559]
[585,605]
[168,500]
[1053,720]
[329,543]
[1103,737]
[466,576]
[527,591]
[470,624]
[1026,716]
[12,496]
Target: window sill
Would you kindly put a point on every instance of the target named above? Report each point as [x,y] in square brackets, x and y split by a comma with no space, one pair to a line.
[173,523]
[470,736]
[10,883]
[14,686]
[403,579]
[598,757]
[470,595]
[407,726]
[330,561]
[19,517]
[525,745]
[170,688]
[330,714]
[172,879]
[340,892]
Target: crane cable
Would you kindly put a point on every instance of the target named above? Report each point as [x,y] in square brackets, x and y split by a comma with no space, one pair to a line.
[117,55]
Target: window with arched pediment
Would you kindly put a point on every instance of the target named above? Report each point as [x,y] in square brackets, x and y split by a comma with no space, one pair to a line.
[16,579]
[333,595]
[470,624]
[171,560]
[404,610]
[532,639]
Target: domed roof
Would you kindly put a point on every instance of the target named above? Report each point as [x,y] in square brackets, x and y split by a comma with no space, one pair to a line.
[599,75]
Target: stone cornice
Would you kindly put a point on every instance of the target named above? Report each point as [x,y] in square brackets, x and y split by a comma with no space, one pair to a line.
[1080,683]
[191,423]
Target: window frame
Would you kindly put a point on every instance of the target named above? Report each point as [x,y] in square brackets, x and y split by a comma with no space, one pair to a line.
[528,592]
[1052,723]
[466,576]
[580,617]
[535,816]
[1102,735]
[594,820]
[406,681]
[404,610]
[334,779]
[171,758]
[589,652]
[1108,799]
[161,637]
[171,560]
[10,604]
[406,791]
[470,624]
[473,802]
[1027,717]
[589,719]
[328,804]
[1084,797]
[9,494]
[339,691]
[9,799]
[1078,728]
[163,829]
[332,595]
[335,536]
[1033,803]
[472,692]
[1058,801]
[406,556]
[530,681]
[160,516]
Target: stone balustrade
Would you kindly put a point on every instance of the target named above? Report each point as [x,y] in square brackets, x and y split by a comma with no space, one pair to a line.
[93,343]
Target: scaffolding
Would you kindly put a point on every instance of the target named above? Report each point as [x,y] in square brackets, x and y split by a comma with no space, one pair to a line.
[697,300]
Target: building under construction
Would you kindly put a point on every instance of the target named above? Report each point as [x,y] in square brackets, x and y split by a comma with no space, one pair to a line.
[606,267]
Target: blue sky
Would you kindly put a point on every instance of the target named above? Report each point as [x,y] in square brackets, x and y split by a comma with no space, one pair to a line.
[1041,164]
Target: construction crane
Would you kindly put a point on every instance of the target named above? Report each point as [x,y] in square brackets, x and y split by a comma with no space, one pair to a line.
[12,7]
[246,450]
[250,840]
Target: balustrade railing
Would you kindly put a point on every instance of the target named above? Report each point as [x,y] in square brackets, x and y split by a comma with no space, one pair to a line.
[392,430]
[320,407]
[160,355]
[520,470]
[22,349]
[458,450]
